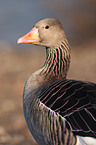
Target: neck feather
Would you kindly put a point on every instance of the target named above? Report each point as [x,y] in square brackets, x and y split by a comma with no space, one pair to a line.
[57,62]
[55,67]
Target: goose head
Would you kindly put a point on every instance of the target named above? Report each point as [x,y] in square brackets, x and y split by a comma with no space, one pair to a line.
[46,32]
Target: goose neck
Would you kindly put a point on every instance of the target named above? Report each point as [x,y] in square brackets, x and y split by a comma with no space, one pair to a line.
[57,62]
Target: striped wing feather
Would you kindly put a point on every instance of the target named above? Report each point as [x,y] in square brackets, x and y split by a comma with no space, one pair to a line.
[75,101]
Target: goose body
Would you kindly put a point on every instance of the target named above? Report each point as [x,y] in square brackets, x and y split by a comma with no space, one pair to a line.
[58,111]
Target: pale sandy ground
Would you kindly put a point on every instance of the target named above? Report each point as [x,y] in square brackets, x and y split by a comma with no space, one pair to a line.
[15,68]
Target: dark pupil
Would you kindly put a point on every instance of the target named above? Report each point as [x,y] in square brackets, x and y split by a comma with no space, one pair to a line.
[47,27]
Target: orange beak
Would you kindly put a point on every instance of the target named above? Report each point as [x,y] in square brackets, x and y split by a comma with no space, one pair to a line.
[30,37]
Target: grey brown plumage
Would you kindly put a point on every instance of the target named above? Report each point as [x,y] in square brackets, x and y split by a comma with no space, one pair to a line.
[57,111]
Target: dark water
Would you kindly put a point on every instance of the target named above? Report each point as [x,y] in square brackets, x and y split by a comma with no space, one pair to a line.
[18,16]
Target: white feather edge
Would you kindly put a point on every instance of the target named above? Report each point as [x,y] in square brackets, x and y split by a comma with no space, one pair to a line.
[80,140]
[85,141]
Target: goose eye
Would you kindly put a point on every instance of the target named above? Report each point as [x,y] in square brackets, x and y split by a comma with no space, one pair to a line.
[47,27]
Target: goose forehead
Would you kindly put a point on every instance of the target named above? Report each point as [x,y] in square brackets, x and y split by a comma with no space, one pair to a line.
[47,21]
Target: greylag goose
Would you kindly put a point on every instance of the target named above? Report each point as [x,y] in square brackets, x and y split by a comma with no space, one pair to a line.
[58,111]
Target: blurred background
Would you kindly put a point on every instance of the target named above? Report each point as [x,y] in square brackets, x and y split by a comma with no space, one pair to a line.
[17,62]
